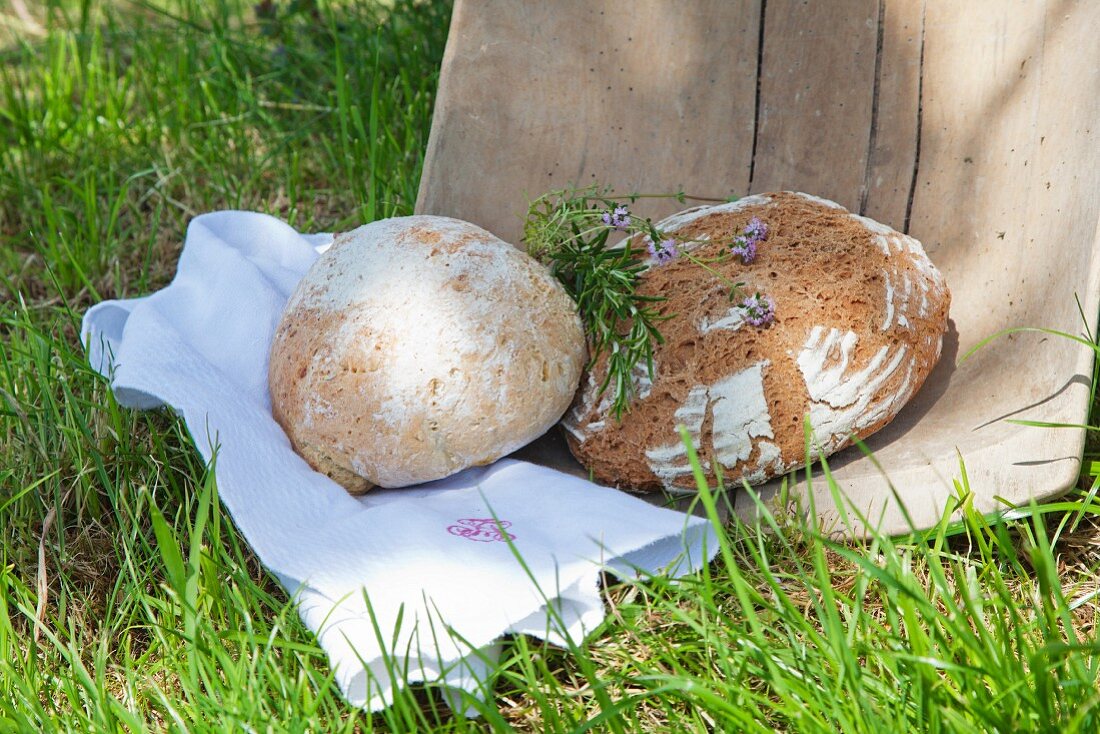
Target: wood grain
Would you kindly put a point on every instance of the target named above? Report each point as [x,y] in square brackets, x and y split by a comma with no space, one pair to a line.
[816,89]
[893,143]
[536,96]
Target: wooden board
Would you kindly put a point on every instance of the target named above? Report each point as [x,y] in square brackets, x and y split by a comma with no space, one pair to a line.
[974,125]
[1012,224]
[894,130]
[536,96]
[816,92]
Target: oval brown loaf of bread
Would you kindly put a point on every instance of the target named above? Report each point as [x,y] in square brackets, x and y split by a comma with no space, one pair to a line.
[860,313]
[418,346]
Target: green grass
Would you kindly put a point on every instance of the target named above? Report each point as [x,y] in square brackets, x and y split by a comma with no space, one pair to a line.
[129,602]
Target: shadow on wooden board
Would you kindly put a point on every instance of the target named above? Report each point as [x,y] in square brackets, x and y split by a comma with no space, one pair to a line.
[973,126]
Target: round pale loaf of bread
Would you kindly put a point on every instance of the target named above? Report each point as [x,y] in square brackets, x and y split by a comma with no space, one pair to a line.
[860,312]
[418,346]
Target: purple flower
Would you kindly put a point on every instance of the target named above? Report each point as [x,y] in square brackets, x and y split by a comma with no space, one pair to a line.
[744,244]
[619,218]
[756,230]
[745,248]
[665,252]
[759,310]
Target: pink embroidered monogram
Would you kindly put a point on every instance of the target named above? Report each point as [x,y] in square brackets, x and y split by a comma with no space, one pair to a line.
[483,530]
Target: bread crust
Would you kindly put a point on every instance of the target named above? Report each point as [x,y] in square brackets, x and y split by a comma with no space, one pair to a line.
[418,346]
[860,313]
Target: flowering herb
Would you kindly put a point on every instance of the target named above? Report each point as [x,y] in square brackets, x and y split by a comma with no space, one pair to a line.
[744,248]
[756,230]
[744,244]
[619,218]
[759,310]
[664,252]
[568,231]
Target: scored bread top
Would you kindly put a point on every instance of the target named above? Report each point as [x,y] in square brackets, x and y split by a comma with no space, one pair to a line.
[860,312]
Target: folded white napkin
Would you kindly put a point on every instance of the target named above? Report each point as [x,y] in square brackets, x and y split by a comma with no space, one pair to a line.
[403,585]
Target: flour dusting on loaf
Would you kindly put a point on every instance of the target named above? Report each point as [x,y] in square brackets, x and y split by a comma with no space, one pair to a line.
[860,312]
[418,346]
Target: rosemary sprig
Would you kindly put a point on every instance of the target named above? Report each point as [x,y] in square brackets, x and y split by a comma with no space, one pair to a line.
[568,230]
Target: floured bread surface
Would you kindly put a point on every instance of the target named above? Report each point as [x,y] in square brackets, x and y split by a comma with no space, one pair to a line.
[418,346]
[860,313]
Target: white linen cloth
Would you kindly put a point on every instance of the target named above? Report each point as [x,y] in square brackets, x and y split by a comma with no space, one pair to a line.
[404,585]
